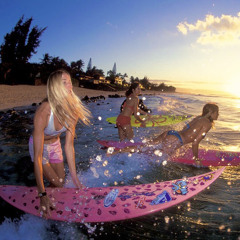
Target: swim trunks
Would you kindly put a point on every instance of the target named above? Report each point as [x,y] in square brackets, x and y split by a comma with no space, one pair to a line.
[123,120]
[175,133]
[52,153]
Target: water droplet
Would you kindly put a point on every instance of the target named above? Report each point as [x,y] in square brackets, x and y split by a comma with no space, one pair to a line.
[110,150]
[164,162]
[105,163]
[166,218]
[106,173]
[221,227]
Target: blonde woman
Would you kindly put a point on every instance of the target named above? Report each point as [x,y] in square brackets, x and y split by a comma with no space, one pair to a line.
[58,113]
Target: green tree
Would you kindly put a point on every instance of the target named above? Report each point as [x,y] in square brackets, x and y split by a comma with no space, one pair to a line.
[46,60]
[50,64]
[46,67]
[145,83]
[59,63]
[94,72]
[132,79]
[77,66]
[111,76]
[18,47]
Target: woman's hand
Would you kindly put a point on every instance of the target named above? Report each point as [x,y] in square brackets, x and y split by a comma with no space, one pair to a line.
[149,116]
[78,184]
[143,124]
[45,206]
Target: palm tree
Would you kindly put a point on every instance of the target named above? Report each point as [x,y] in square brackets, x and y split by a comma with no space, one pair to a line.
[46,60]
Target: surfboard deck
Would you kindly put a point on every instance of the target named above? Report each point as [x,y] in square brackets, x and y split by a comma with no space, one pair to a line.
[155,121]
[210,157]
[109,204]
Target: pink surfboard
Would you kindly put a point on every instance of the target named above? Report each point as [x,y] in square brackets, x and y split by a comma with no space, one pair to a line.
[109,204]
[210,157]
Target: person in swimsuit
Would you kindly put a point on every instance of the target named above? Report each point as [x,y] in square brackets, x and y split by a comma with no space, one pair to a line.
[141,105]
[58,113]
[193,133]
[125,130]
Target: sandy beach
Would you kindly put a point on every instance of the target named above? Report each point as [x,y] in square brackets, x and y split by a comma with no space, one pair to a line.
[25,95]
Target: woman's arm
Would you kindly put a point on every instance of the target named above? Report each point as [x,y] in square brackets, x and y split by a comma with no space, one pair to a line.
[201,134]
[137,111]
[40,120]
[143,112]
[70,154]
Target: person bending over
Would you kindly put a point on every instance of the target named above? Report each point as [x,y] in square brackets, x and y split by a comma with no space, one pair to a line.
[58,113]
[193,133]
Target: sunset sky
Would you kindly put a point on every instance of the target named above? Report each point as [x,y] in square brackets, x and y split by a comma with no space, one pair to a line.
[189,43]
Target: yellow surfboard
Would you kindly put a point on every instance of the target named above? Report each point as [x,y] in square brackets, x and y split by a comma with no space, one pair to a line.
[155,120]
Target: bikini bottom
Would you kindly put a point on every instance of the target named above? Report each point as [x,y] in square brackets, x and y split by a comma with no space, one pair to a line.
[52,153]
[175,133]
[123,120]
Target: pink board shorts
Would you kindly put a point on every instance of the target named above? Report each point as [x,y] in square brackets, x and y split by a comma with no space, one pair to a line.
[52,153]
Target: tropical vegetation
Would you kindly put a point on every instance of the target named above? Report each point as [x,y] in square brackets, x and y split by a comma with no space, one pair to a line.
[21,44]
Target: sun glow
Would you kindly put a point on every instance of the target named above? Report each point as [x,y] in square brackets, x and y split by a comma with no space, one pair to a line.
[238,104]
[233,87]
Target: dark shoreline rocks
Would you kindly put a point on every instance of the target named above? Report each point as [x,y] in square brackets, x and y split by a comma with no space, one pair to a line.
[17,122]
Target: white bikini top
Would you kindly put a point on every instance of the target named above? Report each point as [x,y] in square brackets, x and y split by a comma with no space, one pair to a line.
[50,129]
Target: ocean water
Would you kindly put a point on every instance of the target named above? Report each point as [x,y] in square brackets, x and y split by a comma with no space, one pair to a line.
[212,214]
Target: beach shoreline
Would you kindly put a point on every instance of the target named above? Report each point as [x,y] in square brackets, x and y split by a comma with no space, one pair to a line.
[25,95]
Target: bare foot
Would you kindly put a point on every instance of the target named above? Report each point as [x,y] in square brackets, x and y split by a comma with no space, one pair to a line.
[198,163]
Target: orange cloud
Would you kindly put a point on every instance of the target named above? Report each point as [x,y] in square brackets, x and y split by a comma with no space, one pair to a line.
[224,29]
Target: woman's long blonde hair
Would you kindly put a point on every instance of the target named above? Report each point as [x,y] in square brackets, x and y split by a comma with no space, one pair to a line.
[68,108]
